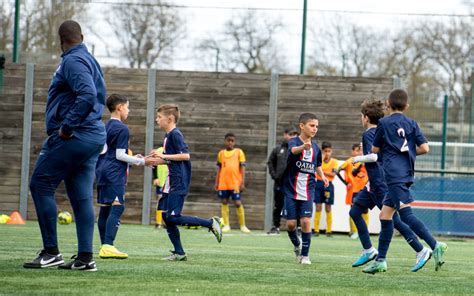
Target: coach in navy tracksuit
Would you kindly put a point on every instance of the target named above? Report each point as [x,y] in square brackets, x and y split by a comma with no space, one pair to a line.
[76,135]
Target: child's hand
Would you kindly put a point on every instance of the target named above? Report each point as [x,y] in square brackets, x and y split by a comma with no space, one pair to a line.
[326,182]
[152,161]
[242,187]
[307,145]
[157,154]
[156,182]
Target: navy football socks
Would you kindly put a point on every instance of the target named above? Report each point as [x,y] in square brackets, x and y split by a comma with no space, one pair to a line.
[306,243]
[293,235]
[364,236]
[102,222]
[407,216]
[174,235]
[113,223]
[189,221]
[407,233]
[385,238]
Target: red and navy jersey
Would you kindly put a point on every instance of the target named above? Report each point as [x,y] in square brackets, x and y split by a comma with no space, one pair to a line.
[374,169]
[299,178]
[109,170]
[397,136]
[179,176]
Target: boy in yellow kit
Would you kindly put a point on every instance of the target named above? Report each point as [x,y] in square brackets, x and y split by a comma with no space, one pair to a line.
[230,181]
[325,194]
[160,174]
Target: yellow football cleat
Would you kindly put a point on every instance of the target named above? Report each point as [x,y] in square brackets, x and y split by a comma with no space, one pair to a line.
[111,252]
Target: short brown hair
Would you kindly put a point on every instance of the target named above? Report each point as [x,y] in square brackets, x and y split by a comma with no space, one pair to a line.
[373,109]
[305,117]
[114,100]
[398,100]
[170,109]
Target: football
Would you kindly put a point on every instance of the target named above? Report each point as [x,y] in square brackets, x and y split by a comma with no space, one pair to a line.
[64,218]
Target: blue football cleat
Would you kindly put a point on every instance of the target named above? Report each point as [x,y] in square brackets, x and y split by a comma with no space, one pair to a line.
[421,258]
[365,258]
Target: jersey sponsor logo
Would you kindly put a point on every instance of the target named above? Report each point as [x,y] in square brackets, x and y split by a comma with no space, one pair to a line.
[306,167]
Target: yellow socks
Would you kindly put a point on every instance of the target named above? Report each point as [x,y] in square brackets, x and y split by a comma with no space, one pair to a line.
[352,226]
[317,219]
[365,216]
[241,215]
[329,222]
[225,214]
[159,217]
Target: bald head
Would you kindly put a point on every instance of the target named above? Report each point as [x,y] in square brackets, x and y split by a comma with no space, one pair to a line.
[70,34]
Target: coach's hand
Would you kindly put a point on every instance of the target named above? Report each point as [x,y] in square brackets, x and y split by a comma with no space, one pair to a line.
[64,136]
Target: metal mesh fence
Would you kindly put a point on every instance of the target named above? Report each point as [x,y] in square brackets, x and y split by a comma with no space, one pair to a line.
[444,184]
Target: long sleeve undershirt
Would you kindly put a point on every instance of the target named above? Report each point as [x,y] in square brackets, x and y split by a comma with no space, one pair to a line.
[121,155]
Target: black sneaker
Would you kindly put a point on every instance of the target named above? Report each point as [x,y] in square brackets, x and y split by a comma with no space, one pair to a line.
[274,231]
[45,260]
[78,264]
[329,234]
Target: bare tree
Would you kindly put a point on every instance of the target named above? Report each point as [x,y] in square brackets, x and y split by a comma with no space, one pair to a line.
[356,47]
[6,15]
[246,44]
[449,46]
[40,21]
[146,32]
[404,57]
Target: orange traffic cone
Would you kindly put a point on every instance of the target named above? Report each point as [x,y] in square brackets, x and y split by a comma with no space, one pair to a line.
[16,218]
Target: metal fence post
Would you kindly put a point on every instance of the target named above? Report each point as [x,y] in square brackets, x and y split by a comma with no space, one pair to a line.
[397,82]
[445,136]
[150,125]
[25,151]
[271,142]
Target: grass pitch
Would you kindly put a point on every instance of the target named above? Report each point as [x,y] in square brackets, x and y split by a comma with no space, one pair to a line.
[254,264]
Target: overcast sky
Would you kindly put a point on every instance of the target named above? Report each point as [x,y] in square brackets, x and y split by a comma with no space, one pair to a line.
[206,17]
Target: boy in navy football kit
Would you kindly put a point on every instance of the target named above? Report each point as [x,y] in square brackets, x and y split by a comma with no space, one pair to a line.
[111,175]
[176,155]
[376,190]
[400,140]
[304,162]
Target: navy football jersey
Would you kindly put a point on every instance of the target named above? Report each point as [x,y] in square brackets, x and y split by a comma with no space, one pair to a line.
[375,172]
[110,170]
[398,136]
[179,176]
[299,179]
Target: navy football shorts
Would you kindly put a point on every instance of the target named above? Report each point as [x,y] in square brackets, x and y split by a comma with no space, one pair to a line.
[398,194]
[107,194]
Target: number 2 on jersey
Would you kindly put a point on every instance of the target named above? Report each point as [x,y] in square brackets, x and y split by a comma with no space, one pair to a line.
[401,133]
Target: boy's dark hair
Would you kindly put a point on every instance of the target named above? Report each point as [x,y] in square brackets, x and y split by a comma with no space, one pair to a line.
[373,109]
[325,145]
[305,117]
[114,100]
[228,135]
[355,146]
[398,100]
[170,109]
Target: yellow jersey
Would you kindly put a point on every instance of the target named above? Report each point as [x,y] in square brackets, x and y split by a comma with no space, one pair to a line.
[230,161]
[329,167]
